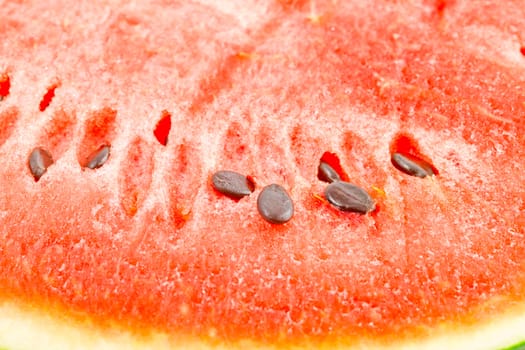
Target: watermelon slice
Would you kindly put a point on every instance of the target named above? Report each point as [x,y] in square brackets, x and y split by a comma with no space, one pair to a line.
[115,116]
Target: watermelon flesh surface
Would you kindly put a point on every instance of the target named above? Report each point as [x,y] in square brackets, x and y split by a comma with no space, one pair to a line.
[264,88]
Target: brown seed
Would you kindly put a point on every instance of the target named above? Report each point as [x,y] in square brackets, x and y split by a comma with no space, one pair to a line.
[232,184]
[411,165]
[39,161]
[348,197]
[275,205]
[326,173]
[98,158]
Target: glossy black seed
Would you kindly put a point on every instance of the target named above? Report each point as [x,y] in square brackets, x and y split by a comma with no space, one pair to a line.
[411,165]
[326,173]
[275,205]
[232,184]
[98,158]
[348,197]
[39,161]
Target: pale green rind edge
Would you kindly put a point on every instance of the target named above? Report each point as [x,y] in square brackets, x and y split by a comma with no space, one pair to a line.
[519,346]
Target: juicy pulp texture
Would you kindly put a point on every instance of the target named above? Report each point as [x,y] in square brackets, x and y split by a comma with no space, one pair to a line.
[264,88]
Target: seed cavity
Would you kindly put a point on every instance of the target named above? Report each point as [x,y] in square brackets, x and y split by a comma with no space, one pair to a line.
[275,205]
[98,158]
[440,6]
[232,184]
[348,197]
[48,96]
[5,85]
[163,127]
[100,129]
[412,165]
[326,173]
[334,162]
[39,161]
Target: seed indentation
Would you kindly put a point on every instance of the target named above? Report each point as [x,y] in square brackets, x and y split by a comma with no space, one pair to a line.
[275,205]
[412,165]
[348,197]
[232,184]
[326,173]
[8,122]
[39,161]
[98,158]
[135,176]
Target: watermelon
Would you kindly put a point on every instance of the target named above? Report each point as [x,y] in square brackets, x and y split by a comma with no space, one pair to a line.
[117,118]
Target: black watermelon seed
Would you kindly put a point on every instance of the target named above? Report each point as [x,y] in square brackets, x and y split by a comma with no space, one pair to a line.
[275,205]
[232,184]
[411,165]
[98,158]
[326,173]
[348,197]
[39,161]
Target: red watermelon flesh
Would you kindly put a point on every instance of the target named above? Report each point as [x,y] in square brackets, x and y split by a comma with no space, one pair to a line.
[183,89]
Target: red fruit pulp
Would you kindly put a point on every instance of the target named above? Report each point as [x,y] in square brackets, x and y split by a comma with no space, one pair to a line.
[263,88]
